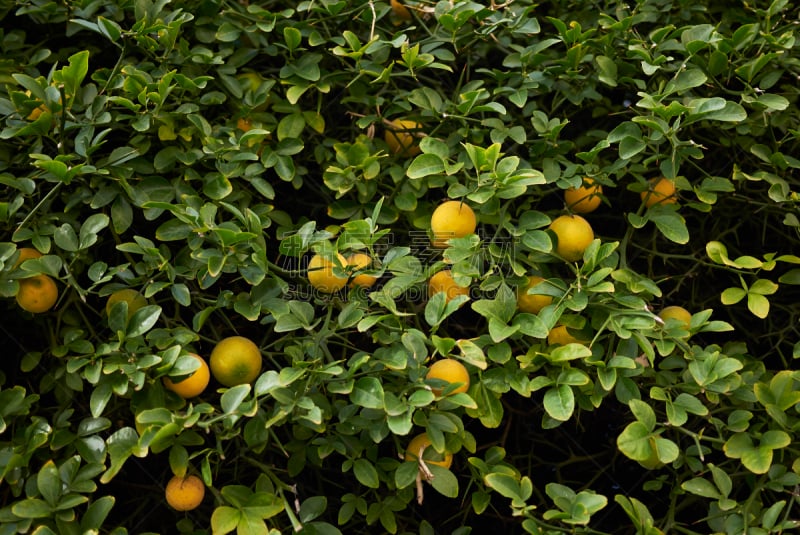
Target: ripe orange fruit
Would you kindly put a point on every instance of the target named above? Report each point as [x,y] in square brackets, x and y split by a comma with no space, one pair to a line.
[420,447]
[532,303]
[37,112]
[134,299]
[245,124]
[585,198]
[361,261]
[321,276]
[660,191]
[399,10]
[559,335]
[193,385]
[443,282]
[400,138]
[26,253]
[185,493]
[235,360]
[678,313]
[451,219]
[37,294]
[574,235]
[449,370]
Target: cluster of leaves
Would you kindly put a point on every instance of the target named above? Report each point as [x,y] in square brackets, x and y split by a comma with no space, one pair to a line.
[200,152]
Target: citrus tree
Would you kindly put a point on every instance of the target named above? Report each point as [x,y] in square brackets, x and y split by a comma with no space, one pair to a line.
[407,267]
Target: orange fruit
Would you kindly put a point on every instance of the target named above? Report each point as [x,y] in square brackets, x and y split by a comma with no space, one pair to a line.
[585,198]
[443,282]
[37,294]
[134,299]
[245,124]
[185,493]
[235,360]
[361,261]
[37,112]
[193,385]
[532,303]
[660,191]
[452,219]
[451,371]
[420,447]
[400,11]
[560,335]
[574,235]
[321,276]
[400,137]
[678,313]
[26,253]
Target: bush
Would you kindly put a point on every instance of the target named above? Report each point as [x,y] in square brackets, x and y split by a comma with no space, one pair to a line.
[200,153]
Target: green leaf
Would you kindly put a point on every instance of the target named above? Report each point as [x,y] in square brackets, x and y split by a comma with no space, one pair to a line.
[670,223]
[143,320]
[757,459]
[634,441]
[312,508]
[559,402]
[224,519]
[31,508]
[233,397]
[687,79]
[644,413]
[48,481]
[763,287]
[444,481]
[568,352]
[292,37]
[366,473]
[368,392]
[702,487]
[72,75]
[731,296]
[630,147]
[425,165]
[96,513]
[758,305]
[504,484]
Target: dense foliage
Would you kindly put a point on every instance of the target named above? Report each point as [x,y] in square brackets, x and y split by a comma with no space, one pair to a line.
[201,152]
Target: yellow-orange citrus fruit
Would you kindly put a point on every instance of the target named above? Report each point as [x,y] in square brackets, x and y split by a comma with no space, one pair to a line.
[26,253]
[574,235]
[37,112]
[452,219]
[193,385]
[235,360]
[185,493]
[360,261]
[559,335]
[134,299]
[399,135]
[37,294]
[659,191]
[400,11]
[321,276]
[443,281]
[585,198]
[421,444]
[678,313]
[451,371]
[245,124]
[532,303]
